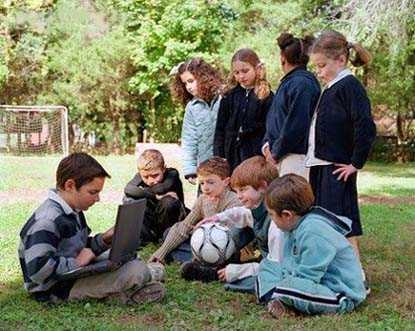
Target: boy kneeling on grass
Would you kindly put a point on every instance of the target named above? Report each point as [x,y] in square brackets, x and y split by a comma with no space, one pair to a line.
[319,271]
[56,240]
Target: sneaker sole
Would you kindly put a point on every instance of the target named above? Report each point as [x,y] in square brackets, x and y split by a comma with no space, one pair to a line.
[153,292]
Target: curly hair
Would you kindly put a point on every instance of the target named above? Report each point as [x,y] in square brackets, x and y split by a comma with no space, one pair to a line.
[209,81]
[262,87]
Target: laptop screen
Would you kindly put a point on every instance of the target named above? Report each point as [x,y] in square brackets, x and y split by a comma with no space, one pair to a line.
[127,230]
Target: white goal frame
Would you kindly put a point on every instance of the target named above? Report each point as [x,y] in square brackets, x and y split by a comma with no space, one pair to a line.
[64,138]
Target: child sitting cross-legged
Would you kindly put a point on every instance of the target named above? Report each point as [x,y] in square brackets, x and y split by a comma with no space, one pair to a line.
[56,240]
[250,181]
[319,271]
[213,176]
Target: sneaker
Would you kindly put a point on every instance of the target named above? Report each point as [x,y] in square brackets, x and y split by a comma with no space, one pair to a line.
[276,309]
[157,271]
[193,270]
[151,292]
[367,287]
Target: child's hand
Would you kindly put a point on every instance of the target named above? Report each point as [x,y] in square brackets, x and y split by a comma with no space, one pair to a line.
[344,171]
[85,256]
[172,194]
[107,236]
[192,180]
[155,259]
[222,275]
[268,156]
[207,220]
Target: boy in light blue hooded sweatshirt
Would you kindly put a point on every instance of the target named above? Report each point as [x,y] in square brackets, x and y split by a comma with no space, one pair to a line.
[320,272]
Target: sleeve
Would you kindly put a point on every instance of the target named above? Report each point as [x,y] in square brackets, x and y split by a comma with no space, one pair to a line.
[180,231]
[168,184]
[239,217]
[270,128]
[97,244]
[315,255]
[235,272]
[364,132]
[222,120]
[300,104]
[41,256]
[190,143]
[134,189]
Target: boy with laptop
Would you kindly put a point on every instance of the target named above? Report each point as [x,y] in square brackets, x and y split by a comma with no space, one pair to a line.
[55,240]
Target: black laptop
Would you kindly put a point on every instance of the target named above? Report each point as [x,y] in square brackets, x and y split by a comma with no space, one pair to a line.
[125,242]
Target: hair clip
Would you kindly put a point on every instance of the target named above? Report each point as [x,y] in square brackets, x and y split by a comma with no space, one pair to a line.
[349,45]
[175,70]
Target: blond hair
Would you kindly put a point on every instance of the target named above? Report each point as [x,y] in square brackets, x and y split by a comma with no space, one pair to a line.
[253,172]
[150,159]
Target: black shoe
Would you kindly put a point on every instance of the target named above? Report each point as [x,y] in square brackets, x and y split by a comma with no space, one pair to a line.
[193,270]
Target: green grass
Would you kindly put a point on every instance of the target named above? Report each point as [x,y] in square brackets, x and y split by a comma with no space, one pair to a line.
[388,253]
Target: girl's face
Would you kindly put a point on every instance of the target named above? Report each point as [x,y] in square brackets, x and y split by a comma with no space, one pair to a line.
[326,68]
[189,82]
[244,73]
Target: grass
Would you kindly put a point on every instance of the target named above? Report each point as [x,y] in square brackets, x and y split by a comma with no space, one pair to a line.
[388,253]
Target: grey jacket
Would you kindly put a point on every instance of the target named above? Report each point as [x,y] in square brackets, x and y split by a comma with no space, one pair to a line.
[198,131]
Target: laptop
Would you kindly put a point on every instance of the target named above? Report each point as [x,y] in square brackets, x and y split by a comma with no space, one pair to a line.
[125,242]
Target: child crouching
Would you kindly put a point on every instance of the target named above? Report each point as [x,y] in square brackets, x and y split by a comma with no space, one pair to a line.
[319,271]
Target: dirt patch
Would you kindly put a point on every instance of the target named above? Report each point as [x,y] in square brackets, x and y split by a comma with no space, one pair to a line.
[384,200]
[146,319]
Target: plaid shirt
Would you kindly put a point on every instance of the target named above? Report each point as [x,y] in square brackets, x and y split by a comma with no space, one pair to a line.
[203,208]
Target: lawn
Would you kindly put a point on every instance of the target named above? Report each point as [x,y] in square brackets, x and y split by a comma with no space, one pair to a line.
[388,252]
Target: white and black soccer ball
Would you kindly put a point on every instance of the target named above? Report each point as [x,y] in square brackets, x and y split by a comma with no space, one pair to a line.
[212,244]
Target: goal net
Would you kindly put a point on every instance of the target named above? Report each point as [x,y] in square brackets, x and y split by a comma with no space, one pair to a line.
[34,130]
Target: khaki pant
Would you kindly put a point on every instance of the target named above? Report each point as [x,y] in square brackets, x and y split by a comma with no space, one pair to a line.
[293,163]
[131,276]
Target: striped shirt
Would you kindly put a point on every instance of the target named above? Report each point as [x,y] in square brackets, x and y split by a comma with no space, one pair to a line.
[51,240]
[203,208]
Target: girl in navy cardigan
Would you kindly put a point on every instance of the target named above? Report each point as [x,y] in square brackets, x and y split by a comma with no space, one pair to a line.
[342,129]
[240,127]
[291,111]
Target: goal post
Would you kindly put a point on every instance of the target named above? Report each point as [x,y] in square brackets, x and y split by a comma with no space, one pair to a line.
[34,130]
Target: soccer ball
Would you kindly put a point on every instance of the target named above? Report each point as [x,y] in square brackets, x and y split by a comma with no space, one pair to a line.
[212,244]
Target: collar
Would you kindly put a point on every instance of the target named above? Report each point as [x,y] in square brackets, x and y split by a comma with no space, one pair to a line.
[340,75]
[53,195]
[198,100]
[300,67]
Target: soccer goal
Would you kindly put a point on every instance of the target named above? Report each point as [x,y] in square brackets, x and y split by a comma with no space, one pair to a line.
[34,130]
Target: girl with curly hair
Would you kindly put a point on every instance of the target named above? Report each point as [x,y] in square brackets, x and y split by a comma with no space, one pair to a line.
[240,127]
[197,86]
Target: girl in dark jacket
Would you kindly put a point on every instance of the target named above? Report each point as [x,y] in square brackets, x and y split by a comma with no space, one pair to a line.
[240,125]
[294,102]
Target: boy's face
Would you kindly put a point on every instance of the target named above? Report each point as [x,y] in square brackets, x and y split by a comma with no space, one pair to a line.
[212,185]
[152,177]
[85,196]
[286,221]
[250,197]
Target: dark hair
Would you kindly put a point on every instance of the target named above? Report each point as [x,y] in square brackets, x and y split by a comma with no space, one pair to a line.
[209,81]
[289,192]
[295,50]
[214,166]
[333,44]
[262,87]
[80,167]
[253,172]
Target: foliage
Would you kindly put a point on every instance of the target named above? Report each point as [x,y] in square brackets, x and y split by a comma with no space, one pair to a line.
[108,61]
